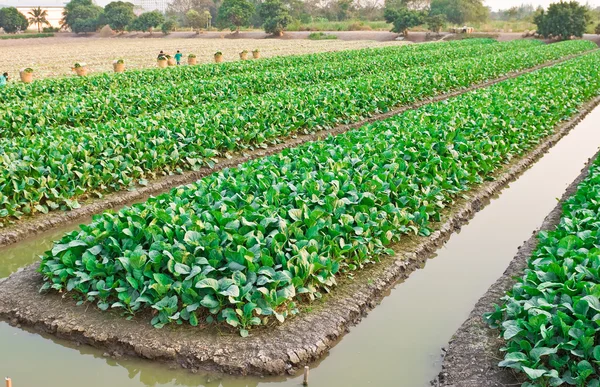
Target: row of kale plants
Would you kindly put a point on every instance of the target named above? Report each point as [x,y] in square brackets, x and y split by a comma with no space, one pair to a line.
[243,246]
[52,170]
[37,115]
[107,81]
[550,319]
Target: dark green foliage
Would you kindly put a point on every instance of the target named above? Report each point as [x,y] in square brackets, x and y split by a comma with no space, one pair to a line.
[82,16]
[168,26]
[12,20]
[344,88]
[243,245]
[551,317]
[275,16]
[563,20]
[197,20]
[118,15]
[460,11]
[321,36]
[403,19]
[148,21]
[435,23]
[234,14]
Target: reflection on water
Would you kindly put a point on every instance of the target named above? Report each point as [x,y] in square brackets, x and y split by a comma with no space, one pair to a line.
[26,252]
[398,344]
[71,365]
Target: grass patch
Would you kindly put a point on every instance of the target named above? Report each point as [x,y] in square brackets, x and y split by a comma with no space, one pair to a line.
[471,36]
[321,36]
[348,25]
[27,36]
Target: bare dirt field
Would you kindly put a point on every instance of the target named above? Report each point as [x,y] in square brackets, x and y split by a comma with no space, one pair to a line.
[51,57]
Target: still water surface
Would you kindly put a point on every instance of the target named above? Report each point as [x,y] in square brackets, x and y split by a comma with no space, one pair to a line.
[398,344]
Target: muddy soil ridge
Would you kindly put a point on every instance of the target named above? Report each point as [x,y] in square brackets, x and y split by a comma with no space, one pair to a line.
[472,357]
[276,350]
[39,223]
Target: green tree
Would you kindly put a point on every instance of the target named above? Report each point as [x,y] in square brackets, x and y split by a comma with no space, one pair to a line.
[435,23]
[178,8]
[512,13]
[461,11]
[196,20]
[38,16]
[597,30]
[12,20]
[81,16]
[403,19]
[148,21]
[343,9]
[168,26]
[118,15]
[234,14]
[410,4]
[85,19]
[563,20]
[275,16]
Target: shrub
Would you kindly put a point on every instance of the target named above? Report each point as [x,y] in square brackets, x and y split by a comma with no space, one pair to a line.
[321,36]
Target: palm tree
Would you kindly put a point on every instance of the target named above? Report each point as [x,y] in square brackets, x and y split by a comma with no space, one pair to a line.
[38,16]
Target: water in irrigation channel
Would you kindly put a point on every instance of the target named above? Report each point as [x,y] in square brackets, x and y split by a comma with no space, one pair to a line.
[400,341]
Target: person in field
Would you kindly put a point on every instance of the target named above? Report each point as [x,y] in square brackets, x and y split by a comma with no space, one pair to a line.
[178,56]
[160,54]
[3,79]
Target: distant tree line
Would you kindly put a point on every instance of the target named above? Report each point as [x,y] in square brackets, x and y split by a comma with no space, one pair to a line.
[405,14]
[274,16]
[562,20]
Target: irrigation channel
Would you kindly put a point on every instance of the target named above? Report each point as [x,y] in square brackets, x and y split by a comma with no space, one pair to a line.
[398,344]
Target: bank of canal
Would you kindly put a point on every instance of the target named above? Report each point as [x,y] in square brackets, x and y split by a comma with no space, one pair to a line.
[397,344]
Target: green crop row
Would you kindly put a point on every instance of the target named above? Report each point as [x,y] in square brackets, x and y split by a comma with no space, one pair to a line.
[29,116]
[243,245]
[131,79]
[49,171]
[551,317]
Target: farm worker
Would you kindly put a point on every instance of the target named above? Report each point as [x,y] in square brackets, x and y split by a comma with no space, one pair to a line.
[161,54]
[3,79]
[178,57]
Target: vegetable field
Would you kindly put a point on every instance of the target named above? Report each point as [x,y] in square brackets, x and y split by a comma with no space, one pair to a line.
[243,246]
[109,141]
[550,317]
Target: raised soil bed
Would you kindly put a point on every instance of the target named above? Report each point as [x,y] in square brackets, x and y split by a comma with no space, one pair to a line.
[273,350]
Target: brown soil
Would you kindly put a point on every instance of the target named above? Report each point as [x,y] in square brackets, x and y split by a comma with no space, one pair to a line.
[273,350]
[474,351]
[30,226]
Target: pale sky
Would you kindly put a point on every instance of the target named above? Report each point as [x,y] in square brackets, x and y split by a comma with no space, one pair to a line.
[504,4]
[495,4]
